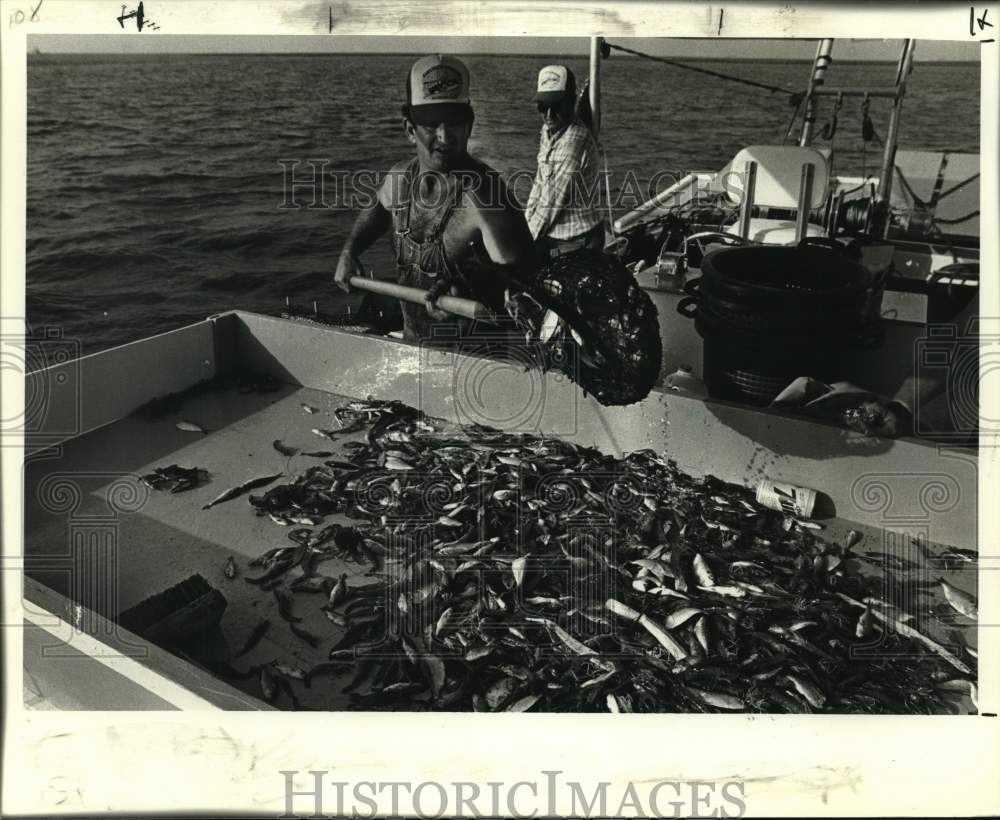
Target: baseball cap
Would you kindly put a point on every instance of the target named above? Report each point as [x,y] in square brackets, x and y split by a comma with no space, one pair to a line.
[555,82]
[437,90]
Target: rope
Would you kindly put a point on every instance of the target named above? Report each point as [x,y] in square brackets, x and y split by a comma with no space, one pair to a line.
[795,96]
[607,188]
[791,122]
[969,215]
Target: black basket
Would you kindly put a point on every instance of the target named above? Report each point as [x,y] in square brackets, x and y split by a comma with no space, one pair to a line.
[770,314]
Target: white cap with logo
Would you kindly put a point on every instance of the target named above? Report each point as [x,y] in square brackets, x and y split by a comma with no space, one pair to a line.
[437,86]
[555,82]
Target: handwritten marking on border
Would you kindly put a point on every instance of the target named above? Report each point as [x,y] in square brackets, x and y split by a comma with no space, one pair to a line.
[982,22]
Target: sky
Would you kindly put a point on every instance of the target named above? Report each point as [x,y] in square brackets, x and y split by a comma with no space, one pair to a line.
[844,50]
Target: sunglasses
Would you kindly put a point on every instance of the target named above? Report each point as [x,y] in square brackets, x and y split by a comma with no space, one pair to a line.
[543,107]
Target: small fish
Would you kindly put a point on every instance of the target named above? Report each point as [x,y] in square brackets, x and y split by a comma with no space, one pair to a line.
[810,692]
[808,525]
[731,591]
[702,571]
[326,666]
[190,427]
[290,671]
[701,633]
[960,601]
[309,408]
[853,538]
[230,570]
[956,554]
[658,568]
[518,567]
[240,489]
[255,635]
[335,617]
[404,687]
[542,600]
[312,583]
[308,637]
[275,572]
[681,616]
[718,699]
[478,653]
[339,591]
[888,609]
[283,449]
[319,454]
[285,606]
[268,686]
[667,591]
[866,623]
[524,704]
[443,622]
[394,463]
[304,520]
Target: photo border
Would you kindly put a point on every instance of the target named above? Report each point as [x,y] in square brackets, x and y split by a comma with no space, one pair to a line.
[217,762]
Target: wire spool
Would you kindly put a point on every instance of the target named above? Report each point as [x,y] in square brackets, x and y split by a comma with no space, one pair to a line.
[855,215]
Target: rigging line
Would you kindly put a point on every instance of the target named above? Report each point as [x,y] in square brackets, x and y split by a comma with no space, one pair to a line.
[961,184]
[791,122]
[607,187]
[923,204]
[795,95]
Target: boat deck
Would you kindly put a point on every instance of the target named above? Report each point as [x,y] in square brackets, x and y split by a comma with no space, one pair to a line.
[95,534]
[156,539]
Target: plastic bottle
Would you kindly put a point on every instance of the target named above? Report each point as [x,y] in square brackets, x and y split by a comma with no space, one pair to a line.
[684,381]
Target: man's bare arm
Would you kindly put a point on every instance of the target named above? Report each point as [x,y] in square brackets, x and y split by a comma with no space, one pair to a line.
[371,223]
[507,240]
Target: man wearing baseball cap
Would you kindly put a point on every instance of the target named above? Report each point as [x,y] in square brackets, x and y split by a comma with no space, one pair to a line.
[561,210]
[455,226]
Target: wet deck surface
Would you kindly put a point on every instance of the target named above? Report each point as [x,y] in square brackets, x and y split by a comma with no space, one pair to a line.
[161,538]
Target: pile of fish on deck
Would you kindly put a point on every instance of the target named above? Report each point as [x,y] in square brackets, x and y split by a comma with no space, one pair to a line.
[518,573]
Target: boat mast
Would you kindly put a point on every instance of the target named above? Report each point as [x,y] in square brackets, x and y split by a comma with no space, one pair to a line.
[595,83]
[903,69]
[821,62]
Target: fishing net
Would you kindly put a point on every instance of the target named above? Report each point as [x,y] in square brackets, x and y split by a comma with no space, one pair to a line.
[594,323]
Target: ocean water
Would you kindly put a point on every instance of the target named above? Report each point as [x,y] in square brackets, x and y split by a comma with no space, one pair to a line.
[155,189]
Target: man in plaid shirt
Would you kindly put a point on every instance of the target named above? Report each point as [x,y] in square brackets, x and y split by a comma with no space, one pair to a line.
[561,210]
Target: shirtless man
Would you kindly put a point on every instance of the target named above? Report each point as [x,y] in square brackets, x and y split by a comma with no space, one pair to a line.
[455,226]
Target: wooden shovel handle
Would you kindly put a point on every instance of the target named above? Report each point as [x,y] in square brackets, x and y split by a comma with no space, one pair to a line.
[467,308]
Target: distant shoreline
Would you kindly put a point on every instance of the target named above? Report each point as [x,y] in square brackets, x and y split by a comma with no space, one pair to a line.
[579,57]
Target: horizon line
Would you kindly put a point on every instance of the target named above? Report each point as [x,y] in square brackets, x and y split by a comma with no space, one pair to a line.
[507,55]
